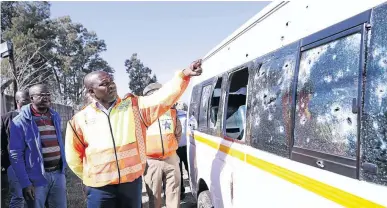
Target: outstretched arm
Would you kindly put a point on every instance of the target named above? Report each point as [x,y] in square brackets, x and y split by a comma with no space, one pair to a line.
[153,106]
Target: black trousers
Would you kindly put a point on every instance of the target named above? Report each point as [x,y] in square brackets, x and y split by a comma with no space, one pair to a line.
[182,153]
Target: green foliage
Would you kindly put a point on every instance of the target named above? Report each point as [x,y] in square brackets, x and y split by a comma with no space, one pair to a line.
[28,26]
[57,52]
[77,54]
[139,75]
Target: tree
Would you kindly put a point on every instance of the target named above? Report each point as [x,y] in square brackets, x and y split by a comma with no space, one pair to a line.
[28,26]
[31,68]
[57,52]
[77,54]
[7,13]
[139,75]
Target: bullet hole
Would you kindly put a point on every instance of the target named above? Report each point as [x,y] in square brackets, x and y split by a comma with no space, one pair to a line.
[318,52]
[381,90]
[286,65]
[349,120]
[272,99]
[247,55]
[307,6]
[282,37]
[264,96]
[337,109]
[309,61]
[287,24]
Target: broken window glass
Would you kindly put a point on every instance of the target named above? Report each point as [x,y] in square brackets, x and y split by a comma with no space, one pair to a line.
[327,85]
[204,105]
[215,101]
[194,104]
[272,104]
[374,117]
[236,104]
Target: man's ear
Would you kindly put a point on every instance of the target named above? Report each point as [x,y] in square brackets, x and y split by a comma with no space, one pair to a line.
[90,91]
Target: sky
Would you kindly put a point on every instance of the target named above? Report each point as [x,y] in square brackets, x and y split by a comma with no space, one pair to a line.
[167,36]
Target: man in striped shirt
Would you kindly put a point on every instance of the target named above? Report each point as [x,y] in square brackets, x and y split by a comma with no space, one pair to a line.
[37,152]
[49,140]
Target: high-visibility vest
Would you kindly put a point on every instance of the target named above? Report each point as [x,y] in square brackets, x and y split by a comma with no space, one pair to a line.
[106,149]
[120,157]
[161,141]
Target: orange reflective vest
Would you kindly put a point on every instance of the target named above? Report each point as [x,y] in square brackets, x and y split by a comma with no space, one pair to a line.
[104,149]
[161,140]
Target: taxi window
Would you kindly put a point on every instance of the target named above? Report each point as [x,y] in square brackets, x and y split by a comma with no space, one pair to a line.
[203,111]
[235,109]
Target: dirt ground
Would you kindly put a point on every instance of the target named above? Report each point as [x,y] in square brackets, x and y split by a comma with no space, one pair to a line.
[77,199]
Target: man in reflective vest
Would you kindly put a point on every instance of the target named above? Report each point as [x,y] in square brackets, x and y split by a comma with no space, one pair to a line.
[163,163]
[105,141]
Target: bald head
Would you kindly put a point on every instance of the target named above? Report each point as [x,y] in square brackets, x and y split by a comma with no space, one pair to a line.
[22,98]
[21,94]
[92,77]
[38,88]
[101,87]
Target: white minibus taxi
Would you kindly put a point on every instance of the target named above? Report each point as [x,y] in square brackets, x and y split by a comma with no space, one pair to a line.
[292,110]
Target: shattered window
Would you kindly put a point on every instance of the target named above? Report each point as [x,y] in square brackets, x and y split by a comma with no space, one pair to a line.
[204,105]
[374,117]
[327,84]
[272,104]
[236,105]
[194,104]
[215,101]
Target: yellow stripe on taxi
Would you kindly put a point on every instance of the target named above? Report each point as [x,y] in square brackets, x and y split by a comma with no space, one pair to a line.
[329,192]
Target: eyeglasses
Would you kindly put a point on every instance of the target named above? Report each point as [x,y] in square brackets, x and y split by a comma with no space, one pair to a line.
[41,95]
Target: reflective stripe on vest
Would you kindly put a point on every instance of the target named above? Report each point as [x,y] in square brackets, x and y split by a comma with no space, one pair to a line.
[104,162]
[162,143]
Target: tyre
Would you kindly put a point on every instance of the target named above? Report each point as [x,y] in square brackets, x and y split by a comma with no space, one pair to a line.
[204,200]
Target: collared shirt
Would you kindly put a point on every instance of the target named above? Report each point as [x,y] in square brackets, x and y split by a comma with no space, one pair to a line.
[102,108]
[49,140]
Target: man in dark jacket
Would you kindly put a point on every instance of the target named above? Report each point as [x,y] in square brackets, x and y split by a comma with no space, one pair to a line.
[37,152]
[8,178]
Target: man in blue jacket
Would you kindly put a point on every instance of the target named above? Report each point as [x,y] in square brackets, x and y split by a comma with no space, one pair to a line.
[37,152]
